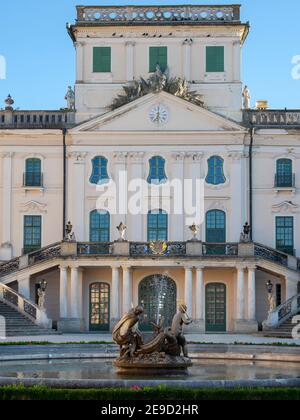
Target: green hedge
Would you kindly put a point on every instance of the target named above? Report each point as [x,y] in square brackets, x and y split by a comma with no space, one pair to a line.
[159,393]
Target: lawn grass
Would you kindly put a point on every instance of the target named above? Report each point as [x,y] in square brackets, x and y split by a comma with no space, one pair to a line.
[145,394]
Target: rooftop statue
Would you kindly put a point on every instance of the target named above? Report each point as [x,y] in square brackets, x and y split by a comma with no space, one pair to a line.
[159,81]
[163,351]
[70,98]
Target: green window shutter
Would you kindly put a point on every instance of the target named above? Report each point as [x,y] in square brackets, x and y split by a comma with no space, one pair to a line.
[102,60]
[215,59]
[158,55]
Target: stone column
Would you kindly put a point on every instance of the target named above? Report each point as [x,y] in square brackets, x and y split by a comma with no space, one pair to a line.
[240,323]
[6,246]
[130,59]
[187,44]
[63,292]
[74,292]
[236,55]
[200,299]
[115,295]
[251,294]
[177,220]
[188,290]
[136,231]
[127,288]
[121,180]
[80,62]
[24,285]
[76,210]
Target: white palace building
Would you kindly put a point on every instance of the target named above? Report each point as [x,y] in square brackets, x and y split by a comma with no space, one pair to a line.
[159,97]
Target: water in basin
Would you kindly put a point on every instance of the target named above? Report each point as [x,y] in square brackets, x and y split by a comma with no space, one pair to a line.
[103,369]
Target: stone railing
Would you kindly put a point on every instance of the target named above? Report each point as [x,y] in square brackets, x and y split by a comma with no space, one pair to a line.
[218,249]
[94,248]
[167,249]
[16,119]
[271,254]
[272,118]
[24,306]
[148,14]
[189,249]
[283,312]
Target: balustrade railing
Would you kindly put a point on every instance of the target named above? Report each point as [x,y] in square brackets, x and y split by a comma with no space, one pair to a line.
[158,248]
[94,248]
[283,312]
[24,306]
[148,14]
[44,254]
[16,119]
[219,249]
[272,118]
[270,254]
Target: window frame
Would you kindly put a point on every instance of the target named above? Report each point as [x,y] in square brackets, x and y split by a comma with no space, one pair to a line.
[157,159]
[282,179]
[99,229]
[109,68]
[287,249]
[208,65]
[152,67]
[215,174]
[157,229]
[37,176]
[102,178]
[30,247]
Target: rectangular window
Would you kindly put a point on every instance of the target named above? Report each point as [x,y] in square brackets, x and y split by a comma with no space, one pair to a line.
[215,59]
[102,59]
[158,56]
[32,233]
[285,234]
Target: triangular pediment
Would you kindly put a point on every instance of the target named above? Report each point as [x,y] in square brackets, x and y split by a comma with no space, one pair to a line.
[178,115]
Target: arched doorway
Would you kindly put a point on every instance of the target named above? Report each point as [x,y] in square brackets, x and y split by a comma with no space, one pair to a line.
[157,293]
[99,307]
[215,307]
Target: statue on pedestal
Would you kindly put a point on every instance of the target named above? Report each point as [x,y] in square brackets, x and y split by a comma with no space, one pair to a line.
[122,230]
[194,229]
[246,234]
[70,98]
[246,98]
[70,235]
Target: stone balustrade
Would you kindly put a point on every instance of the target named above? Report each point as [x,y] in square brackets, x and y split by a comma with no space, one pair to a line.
[189,249]
[272,118]
[154,14]
[17,119]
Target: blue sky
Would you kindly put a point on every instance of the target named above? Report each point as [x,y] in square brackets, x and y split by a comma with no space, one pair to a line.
[41,61]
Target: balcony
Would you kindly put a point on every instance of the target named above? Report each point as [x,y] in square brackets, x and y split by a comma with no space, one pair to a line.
[113,15]
[272,118]
[285,182]
[16,119]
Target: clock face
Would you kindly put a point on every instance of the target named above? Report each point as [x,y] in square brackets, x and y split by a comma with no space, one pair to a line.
[158,114]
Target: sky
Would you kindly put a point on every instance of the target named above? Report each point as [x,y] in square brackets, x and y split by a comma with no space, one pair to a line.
[40,57]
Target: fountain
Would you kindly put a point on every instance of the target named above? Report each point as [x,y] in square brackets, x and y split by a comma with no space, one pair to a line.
[166,351]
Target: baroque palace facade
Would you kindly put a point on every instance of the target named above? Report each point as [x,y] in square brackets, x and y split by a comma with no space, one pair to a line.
[53,162]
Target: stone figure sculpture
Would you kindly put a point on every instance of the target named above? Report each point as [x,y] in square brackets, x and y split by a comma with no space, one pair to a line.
[163,351]
[41,298]
[246,98]
[70,98]
[122,230]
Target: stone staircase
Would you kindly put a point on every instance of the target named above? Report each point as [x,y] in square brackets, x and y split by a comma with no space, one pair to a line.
[283,331]
[19,325]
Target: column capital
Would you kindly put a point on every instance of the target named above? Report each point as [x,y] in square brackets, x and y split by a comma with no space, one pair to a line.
[200,267]
[6,154]
[187,42]
[178,156]
[120,157]
[137,157]
[251,267]
[130,43]
[240,266]
[79,157]
[63,267]
[115,266]
[194,156]
[126,267]
[188,267]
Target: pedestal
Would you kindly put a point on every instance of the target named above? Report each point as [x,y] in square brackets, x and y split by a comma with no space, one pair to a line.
[244,326]
[70,325]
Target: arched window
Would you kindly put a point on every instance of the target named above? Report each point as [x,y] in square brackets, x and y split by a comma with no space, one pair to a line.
[157,172]
[215,175]
[157,225]
[99,226]
[33,174]
[284,173]
[99,171]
